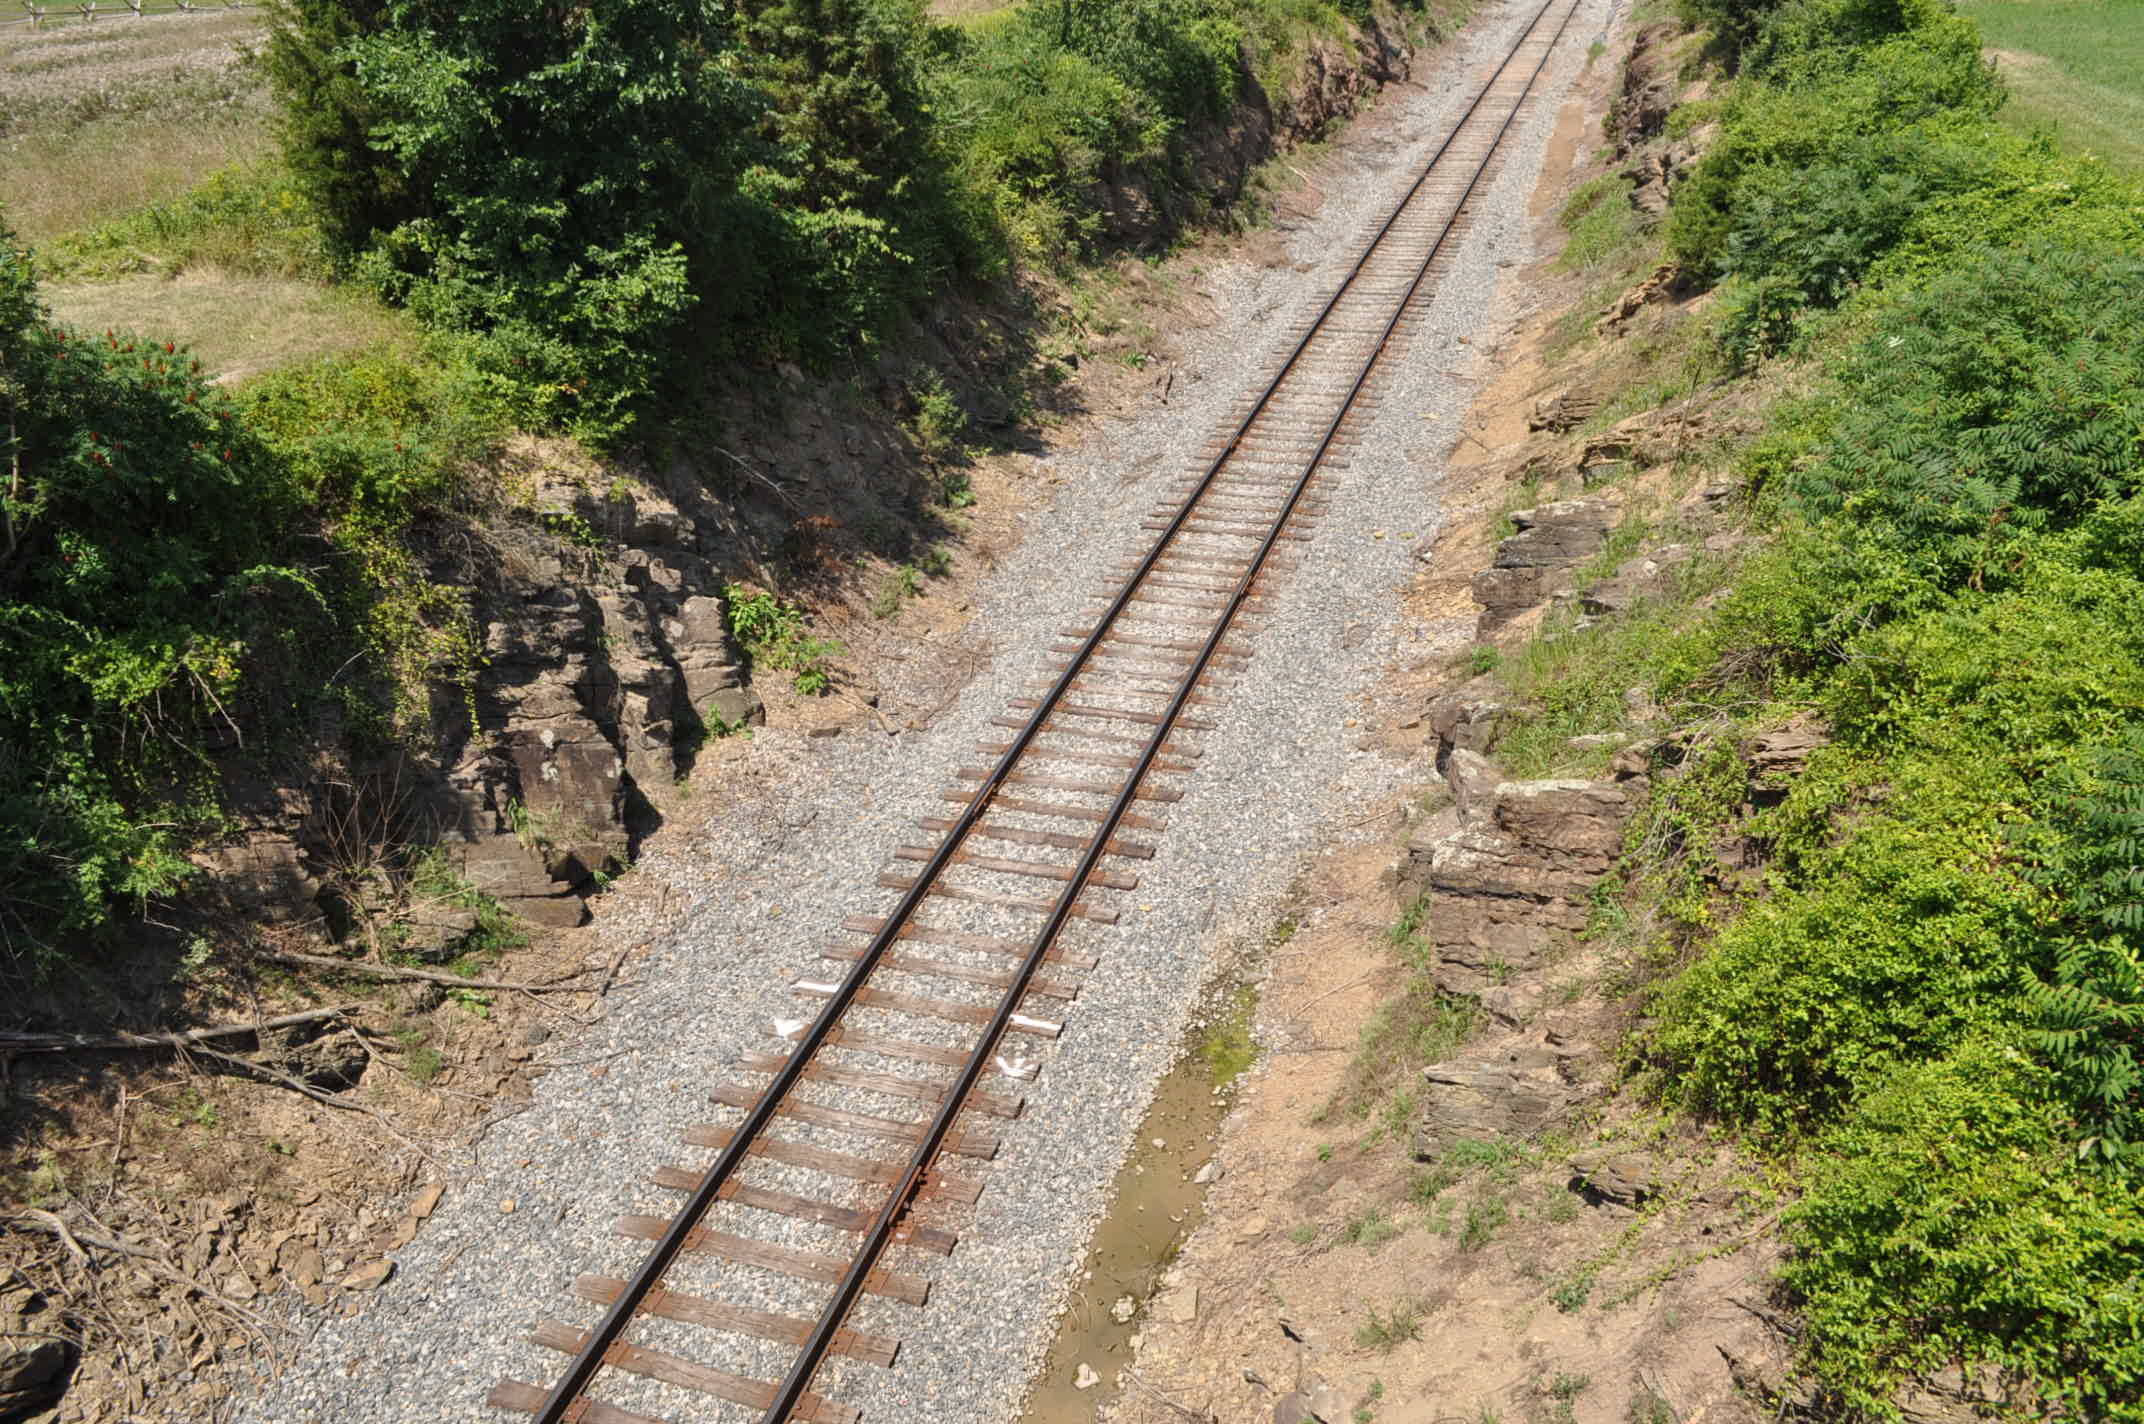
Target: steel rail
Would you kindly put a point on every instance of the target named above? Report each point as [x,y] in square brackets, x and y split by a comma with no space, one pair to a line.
[822,1336]
[598,1343]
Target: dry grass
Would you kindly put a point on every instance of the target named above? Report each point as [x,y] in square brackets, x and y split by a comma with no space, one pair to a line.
[238,326]
[42,187]
[967,9]
[101,120]
[84,70]
[98,121]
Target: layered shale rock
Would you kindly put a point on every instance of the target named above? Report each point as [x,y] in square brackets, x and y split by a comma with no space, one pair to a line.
[1535,563]
[606,660]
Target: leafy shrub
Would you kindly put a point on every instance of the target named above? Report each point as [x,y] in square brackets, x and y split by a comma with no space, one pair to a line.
[2092,1009]
[143,571]
[843,103]
[1943,1221]
[570,189]
[1816,106]
[379,437]
[2000,399]
[353,188]
[1804,236]
[1893,945]
[1181,54]
[773,634]
[375,443]
[1033,125]
[2023,193]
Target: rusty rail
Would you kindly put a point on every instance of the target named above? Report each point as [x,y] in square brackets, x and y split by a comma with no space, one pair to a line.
[1175,574]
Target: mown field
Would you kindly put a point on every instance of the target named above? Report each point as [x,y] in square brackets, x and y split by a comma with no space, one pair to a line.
[100,120]
[2075,68]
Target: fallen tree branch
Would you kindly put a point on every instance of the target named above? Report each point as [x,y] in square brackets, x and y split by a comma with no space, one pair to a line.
[193,1038]
[761,476]
[562,984]
[1195,1416]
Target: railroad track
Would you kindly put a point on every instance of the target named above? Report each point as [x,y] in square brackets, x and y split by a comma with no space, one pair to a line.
[928,1017]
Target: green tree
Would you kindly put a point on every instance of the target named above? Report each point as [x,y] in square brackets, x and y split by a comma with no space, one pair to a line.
[327,121]
[562,178]
[843,103]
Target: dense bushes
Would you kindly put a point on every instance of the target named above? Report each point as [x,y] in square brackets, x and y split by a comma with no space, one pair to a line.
[144,556]
[566,182]
[1946,1220]
[609,197]
[1931,1000]
[1952,885]
[2091,1009]
[184,576]
[1828,153]
[1859,148]
[1999,401]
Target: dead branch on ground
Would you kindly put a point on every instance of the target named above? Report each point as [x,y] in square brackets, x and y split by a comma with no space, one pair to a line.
[563,984]
[14,1043]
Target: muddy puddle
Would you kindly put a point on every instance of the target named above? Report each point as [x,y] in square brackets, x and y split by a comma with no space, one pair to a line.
[1156,1202]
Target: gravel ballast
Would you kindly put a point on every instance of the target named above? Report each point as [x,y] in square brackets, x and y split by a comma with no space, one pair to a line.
[799,841]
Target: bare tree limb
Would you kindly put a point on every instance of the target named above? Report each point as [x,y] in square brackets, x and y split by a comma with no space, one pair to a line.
[370,970]
[31,1218]
[296,1084]
[11,1043]
[759,475]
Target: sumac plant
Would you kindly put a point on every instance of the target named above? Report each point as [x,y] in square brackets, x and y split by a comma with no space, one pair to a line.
[2092,1004]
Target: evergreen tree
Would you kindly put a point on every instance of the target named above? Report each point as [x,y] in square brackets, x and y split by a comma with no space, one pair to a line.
[327,120]
[843,101]
[563,178]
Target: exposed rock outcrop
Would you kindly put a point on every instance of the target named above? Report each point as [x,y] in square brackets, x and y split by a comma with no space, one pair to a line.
[1511,883]
[1626,1178]
[1650,83]
[602,675]
[1777,757]
[605,660]
[1466,719]
[1523,1091]
[1535,563]
[1565,410]
[1653,437]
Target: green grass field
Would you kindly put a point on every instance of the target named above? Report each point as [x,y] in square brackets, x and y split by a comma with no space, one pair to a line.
[2075,67]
